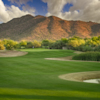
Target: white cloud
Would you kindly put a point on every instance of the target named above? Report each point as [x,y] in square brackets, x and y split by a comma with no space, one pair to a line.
[8,13]
[86,10]
[55,6]
[29,9]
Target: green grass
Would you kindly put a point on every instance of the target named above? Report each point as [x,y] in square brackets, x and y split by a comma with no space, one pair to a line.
[88,56]
[31,77]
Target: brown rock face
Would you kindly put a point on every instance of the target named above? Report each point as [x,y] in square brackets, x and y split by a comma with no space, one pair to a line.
[38,28]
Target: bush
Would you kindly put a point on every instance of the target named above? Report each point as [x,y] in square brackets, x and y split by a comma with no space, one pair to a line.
[88,56]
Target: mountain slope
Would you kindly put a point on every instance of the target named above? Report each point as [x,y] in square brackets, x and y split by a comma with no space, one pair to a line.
[30,28]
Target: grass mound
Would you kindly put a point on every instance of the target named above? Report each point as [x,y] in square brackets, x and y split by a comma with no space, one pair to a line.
[88,56]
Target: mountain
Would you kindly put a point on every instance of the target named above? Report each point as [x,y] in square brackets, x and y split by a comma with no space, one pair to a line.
[38,28]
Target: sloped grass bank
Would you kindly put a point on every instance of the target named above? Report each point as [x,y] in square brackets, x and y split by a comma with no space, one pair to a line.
[88,56]
[31,77]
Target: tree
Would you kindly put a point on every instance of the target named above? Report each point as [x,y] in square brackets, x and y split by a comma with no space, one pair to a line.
[23,43]
[10,44]
[76,42]
[92,43]
[45,43]
[57,45]
[98,37]
[75,38]
[95,38]
[36,44]
[65,40]
[2,47]
[30,44]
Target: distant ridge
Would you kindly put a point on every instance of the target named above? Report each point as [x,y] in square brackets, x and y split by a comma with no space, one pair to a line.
[39,27]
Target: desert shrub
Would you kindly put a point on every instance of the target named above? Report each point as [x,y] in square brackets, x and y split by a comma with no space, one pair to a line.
[36,44]
[88,56]
[10,44]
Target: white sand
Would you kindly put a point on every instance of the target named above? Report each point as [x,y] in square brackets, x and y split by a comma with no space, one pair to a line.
[92,81]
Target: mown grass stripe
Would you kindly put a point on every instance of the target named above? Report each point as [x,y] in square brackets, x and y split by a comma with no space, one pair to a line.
[18,99]
[39,92]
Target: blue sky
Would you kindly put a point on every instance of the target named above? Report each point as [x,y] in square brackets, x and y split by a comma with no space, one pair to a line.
[40,7]
[85,10]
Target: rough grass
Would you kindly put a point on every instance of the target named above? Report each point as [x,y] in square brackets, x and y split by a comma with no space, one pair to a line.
[88,56]
[31,77]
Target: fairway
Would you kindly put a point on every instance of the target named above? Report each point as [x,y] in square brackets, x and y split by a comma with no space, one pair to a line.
[32,77]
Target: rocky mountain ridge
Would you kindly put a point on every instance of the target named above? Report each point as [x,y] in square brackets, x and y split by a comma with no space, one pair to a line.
[38,28]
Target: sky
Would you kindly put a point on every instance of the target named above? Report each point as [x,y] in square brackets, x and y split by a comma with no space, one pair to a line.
[85,10]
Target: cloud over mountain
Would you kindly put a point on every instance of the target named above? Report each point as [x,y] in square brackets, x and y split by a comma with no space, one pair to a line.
[9,12]
[86,10]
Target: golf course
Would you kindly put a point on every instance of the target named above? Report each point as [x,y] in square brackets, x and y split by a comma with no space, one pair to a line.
[32,77]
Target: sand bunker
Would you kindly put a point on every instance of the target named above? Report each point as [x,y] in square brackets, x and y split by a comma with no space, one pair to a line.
[12,53]
[97,81]
[81,76]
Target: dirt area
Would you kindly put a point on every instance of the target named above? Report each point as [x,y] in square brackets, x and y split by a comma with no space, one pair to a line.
[69,58]
[80,76]
[11,53]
